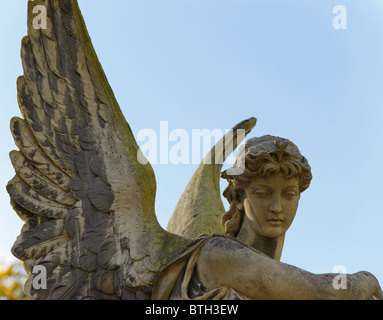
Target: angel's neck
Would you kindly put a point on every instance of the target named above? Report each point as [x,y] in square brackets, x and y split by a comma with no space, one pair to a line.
[272,247]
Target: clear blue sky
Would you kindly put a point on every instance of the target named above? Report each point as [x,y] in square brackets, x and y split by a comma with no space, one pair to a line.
[212,63]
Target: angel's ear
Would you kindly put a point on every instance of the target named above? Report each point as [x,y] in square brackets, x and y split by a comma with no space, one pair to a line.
[239,197]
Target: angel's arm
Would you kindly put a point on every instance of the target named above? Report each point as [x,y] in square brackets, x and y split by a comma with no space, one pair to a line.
[226,262]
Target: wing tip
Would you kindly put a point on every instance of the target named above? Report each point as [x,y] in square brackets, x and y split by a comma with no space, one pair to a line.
[247,124]
[15,123]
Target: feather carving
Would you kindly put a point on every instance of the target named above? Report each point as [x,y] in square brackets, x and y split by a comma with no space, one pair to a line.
[86,200]
[87,203]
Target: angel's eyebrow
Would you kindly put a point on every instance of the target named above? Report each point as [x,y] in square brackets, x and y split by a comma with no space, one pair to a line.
[260,185]
[291,187]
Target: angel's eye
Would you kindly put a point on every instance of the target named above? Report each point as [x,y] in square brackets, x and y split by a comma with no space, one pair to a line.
[261,193]
[289,194]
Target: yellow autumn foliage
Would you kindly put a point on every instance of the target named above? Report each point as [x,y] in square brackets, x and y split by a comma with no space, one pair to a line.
[12,278]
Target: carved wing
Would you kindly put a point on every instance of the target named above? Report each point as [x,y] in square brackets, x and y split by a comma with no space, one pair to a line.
[87,203]
[200,208]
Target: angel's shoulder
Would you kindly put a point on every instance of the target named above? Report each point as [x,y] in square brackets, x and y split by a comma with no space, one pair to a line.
[221,249]
[220,258]
[220,241]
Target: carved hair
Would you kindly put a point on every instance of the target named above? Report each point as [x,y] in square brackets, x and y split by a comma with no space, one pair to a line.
[263,157]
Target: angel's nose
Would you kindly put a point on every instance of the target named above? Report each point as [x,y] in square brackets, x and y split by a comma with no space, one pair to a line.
[276,205]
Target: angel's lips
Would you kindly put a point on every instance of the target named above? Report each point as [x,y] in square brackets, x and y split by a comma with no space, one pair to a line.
[275,221]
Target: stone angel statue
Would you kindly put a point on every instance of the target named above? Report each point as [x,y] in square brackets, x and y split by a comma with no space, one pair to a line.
[88,203]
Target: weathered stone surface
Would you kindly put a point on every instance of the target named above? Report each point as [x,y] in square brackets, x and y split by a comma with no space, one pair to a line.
[88,203]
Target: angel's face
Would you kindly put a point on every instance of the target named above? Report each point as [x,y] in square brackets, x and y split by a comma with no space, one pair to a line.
[271,204]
